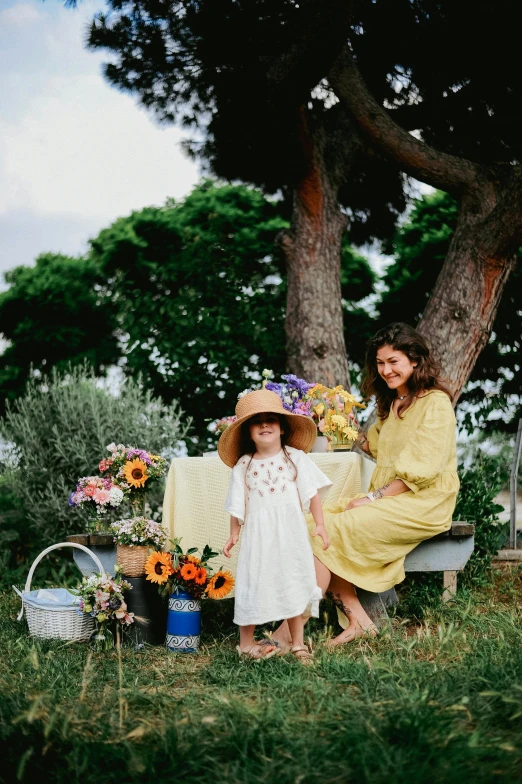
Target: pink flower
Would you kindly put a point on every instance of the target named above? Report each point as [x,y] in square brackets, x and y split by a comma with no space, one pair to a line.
[105,465]
[101,496]
[89,490]
[321,426]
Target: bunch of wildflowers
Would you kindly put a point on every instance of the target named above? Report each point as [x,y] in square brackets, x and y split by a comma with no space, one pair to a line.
[132,468]
[293,393]
[101,495]
[331,411]
[220,425]
[139,531]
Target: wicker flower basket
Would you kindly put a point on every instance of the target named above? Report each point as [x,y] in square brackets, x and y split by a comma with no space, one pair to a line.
[132,559]
[63,623]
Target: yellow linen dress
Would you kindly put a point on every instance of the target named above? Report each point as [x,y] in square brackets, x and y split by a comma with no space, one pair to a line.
[369,543]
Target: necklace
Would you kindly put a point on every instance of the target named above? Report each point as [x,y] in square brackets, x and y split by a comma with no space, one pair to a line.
[402,397]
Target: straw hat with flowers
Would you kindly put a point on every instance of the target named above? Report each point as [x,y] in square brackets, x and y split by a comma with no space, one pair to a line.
[300,433]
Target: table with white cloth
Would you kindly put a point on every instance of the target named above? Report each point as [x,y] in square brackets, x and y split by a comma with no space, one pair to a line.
[196,491]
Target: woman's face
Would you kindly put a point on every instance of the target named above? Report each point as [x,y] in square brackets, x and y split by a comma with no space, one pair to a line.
[265,430]
[395,368]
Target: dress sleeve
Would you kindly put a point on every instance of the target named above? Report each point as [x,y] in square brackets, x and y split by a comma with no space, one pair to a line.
[427,453]
[235,503]
[310,480]
[373,437]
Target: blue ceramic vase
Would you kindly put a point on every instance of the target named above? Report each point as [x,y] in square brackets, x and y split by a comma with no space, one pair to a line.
[183,623]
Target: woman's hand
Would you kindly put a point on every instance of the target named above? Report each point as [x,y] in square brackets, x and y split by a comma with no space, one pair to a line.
[320,530]
[358,502]
[230,544]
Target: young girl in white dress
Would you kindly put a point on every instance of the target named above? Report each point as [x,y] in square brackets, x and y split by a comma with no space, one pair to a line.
[272,483]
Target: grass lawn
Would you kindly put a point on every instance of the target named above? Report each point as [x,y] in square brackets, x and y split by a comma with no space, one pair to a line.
[438,701]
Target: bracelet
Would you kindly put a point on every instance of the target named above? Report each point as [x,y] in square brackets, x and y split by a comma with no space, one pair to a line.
[370,496]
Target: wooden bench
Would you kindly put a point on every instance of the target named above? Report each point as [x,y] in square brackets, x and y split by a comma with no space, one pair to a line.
[447,553]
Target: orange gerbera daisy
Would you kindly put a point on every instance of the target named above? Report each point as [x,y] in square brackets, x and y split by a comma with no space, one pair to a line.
[158,567]
[220,585]
[135,472]
[189,571]
[201,576]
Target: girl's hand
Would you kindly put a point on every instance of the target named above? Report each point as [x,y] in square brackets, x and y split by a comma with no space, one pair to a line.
[320,530]
[358,502]
[230,544]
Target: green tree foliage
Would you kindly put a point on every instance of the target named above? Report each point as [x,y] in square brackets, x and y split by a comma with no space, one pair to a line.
[56,433]
[199,291]
[419,248]
[52,315]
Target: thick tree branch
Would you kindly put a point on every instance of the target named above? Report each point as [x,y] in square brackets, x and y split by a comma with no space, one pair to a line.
[416,158]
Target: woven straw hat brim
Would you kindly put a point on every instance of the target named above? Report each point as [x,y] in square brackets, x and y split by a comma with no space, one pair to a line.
[303,434]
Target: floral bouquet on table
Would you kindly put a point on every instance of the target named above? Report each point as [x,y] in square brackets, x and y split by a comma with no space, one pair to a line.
[102,598]
[134,539]
[220,425]
[331,410]
[133,470]
[293,393]
[179,572]
[97,494]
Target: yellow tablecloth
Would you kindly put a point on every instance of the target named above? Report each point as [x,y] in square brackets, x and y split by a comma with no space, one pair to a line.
[194,503]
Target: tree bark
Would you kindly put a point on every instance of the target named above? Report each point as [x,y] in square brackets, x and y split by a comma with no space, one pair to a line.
[459,316]
[315,343]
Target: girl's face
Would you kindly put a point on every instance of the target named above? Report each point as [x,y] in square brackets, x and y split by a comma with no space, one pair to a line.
[395,368]
[265,430]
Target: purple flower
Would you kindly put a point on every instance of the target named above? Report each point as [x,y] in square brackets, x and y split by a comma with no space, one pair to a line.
[298,384]
[141,454]
[70,499]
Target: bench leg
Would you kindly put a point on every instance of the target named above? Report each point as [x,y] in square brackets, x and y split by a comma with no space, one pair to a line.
[374,606]
[449,582]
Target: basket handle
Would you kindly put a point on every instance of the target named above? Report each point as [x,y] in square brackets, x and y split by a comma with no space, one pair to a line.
[48,550]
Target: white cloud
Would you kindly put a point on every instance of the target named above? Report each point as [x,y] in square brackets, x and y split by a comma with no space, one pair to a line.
[72,148]
[20,15]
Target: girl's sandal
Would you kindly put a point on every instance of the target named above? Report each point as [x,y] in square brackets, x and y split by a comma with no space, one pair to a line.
[302,654]
[255,651]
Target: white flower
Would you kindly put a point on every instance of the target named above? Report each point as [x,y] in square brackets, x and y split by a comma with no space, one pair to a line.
[116,496]
[111,447]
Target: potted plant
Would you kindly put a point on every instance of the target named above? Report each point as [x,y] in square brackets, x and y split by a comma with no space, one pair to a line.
[186,579]
[135,538]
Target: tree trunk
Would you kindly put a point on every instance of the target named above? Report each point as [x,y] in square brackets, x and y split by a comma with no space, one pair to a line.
[315,343]
[459,316]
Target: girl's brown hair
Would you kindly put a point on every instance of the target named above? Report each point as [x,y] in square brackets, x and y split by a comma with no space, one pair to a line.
[247,446]
[425,377]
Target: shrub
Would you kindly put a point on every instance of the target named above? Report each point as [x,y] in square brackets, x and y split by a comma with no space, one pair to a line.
[57,433]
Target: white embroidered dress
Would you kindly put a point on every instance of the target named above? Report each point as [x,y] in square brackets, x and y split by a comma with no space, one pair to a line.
[275,571]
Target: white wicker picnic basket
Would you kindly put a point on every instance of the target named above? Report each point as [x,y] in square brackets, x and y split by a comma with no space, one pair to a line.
[60,622]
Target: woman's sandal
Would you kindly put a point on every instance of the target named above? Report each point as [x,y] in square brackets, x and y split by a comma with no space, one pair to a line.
[255,651]
[302,654]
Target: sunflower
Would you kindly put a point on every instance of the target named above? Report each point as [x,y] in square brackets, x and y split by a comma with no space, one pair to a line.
[135,472]
[189,571]
[201,576]
[193,559]
[220,585]
[158,567]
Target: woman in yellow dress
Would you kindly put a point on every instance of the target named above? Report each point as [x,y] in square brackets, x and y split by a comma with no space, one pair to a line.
[414,485]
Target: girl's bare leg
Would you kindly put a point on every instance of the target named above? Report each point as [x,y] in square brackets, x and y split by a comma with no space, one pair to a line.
[282,634]
[360,621]
[296,628]
[247,642]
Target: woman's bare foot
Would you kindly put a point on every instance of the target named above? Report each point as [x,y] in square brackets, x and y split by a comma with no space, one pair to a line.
[352,632]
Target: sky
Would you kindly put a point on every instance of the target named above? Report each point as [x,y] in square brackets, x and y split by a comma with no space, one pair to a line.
[75,153]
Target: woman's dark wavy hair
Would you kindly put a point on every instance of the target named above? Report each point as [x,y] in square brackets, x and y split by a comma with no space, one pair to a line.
[247,446]
[426,376]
